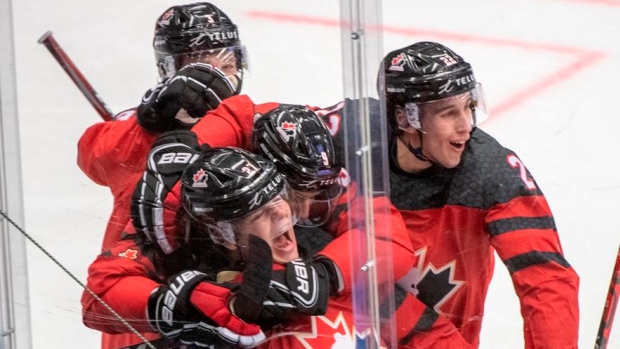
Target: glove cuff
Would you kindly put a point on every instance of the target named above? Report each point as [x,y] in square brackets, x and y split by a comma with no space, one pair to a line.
[169,305]
[151,306]
[336,281]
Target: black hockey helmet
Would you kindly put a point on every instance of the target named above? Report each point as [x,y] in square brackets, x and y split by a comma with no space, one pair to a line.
[195,29]
[425,72]
[228,183]
[299,143]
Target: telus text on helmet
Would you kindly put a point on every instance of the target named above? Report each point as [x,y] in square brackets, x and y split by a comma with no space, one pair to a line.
[217,36]
[267,191]
[452,83]
[318,183]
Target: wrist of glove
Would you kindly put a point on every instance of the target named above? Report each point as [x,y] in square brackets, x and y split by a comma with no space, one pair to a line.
[306,285]
[179,101]
[194,311]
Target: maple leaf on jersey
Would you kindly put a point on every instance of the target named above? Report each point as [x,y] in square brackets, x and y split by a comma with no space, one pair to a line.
[129,253]
[435,286]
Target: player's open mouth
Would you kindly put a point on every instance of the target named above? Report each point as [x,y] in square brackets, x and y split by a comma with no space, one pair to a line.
[458,145]
[283,240]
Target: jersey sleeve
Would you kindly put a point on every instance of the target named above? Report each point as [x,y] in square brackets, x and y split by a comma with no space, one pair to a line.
[231,123]
[524,234]
[120,277]
[394,254]
[108,151]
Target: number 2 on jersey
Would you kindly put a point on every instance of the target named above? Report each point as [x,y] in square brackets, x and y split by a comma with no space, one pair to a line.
[515,162]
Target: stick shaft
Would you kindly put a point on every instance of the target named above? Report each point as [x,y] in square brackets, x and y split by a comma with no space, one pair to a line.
[609,310]
[76,76]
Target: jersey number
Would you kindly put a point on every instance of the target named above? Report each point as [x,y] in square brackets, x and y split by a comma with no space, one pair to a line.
[516,163]
[331,118]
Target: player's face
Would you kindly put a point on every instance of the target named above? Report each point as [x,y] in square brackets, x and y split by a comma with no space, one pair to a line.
[313,208]
[272,223]
[223,59]
[301,201]
[447,124]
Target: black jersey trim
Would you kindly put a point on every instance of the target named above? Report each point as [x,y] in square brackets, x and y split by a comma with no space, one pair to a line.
[529,259]
[385,309]
[507,225]
[424,324]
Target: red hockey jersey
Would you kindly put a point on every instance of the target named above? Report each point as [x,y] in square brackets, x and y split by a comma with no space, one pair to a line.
[456,219]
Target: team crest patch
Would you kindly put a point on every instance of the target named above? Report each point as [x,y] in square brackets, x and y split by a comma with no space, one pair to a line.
[398,63]
[287,129]
[129,253]
[200,179]
[165,18]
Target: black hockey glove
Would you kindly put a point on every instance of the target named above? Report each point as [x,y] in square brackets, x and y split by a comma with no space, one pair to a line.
[178,101]
[154,204]
[193,311]
[307,285]
[262,303]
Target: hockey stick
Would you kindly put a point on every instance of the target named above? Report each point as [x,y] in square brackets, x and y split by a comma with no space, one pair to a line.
[74,73]
[609,310]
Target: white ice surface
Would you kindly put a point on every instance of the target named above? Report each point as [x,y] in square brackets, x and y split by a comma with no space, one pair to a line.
[551,105]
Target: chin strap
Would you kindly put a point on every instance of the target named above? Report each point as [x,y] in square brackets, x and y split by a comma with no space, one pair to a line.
[417,152]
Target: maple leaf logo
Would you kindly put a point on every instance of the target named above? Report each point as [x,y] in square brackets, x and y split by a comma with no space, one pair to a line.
[433,286]
[397,63]
[335,334]
[200,179]
[289,126]
[129,253]
[287,130]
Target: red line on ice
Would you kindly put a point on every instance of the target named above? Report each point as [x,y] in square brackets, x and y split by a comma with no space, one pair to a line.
[614,3]
[580,58]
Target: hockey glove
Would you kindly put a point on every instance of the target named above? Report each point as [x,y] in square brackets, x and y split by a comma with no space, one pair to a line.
[256,300]
[196,312]
[306,285]
[156,199]
[179,101]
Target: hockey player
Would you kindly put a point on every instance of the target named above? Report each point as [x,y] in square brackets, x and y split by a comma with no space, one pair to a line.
[113,154]
[470,196]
